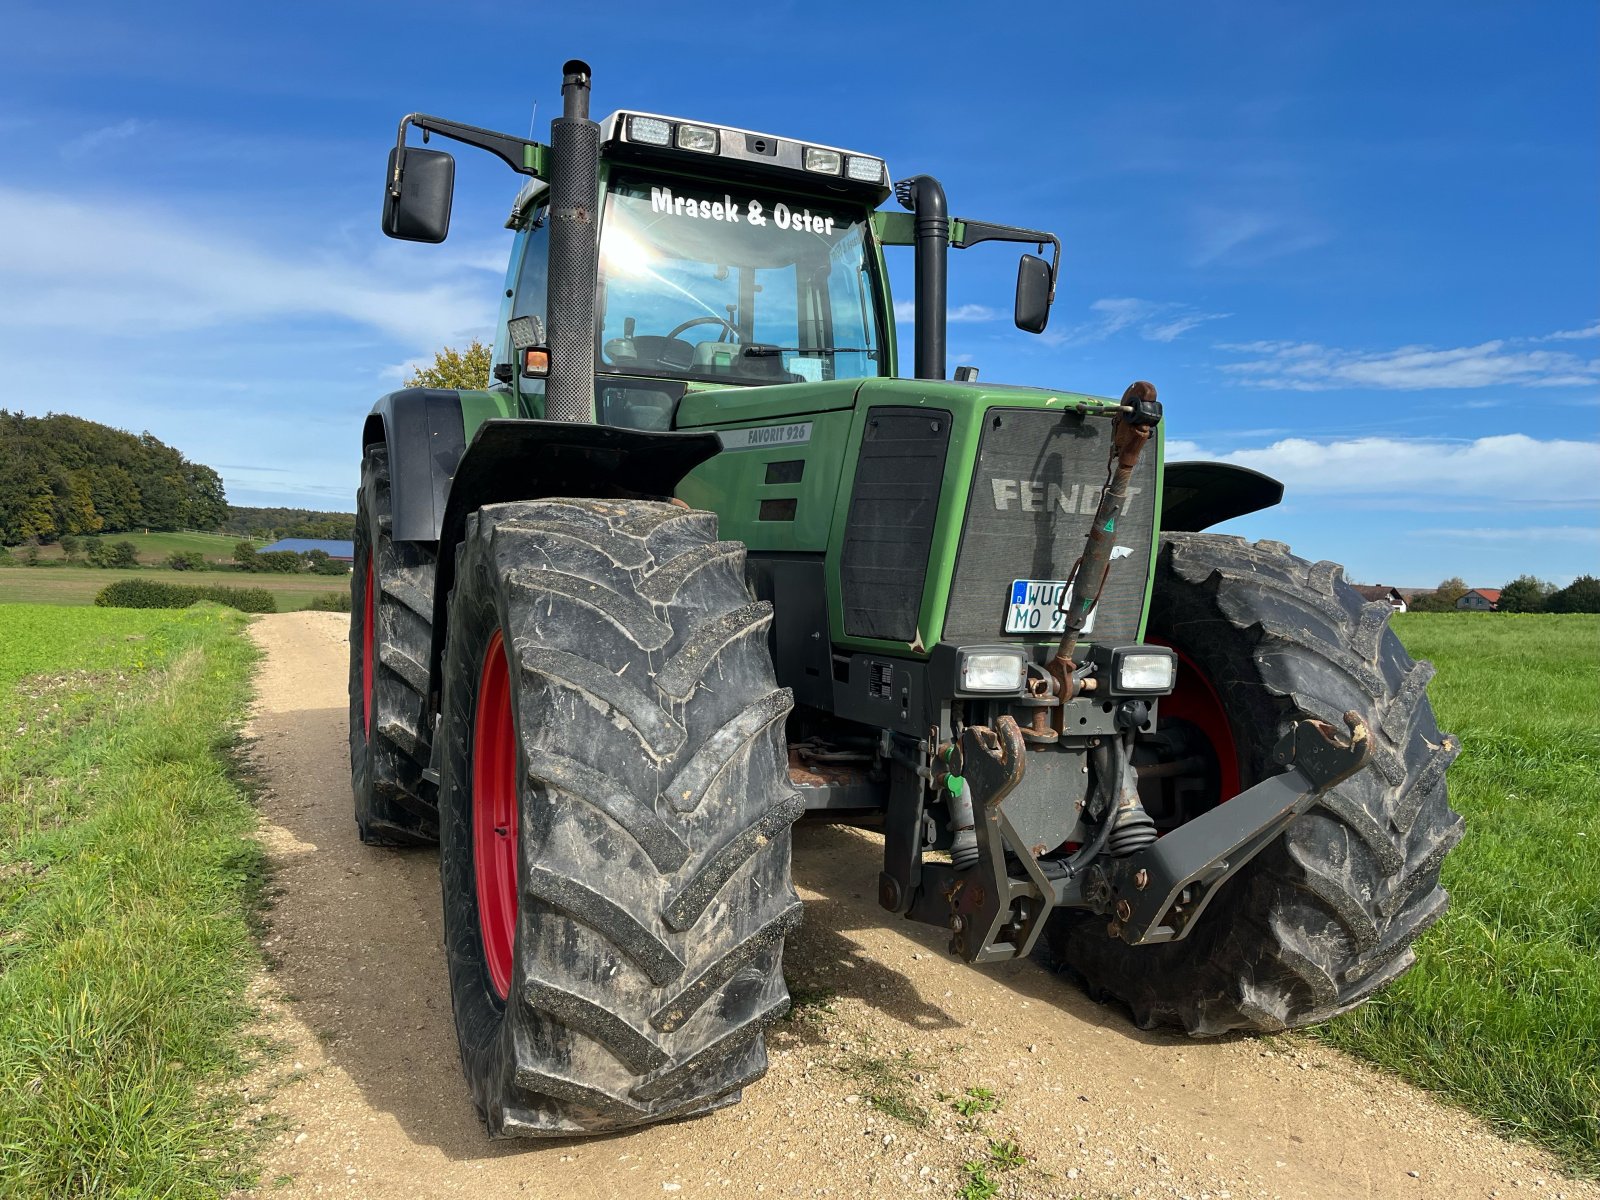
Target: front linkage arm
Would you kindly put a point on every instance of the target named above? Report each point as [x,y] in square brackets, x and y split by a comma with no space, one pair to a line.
[996,908]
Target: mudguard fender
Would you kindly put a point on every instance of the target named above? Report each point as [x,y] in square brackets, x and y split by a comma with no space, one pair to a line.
[535,460]
[1198,495]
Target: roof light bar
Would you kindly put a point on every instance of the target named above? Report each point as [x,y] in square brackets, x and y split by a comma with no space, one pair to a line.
[743,154]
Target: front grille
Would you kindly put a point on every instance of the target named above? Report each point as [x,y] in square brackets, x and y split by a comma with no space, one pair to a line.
[888,534]
[1035,488]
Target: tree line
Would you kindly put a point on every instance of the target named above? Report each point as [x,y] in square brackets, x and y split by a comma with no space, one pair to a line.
[1524,594]
[273,523]
[65,476]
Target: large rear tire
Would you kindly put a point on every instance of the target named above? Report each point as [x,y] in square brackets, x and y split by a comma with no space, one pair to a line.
[1326,915]
[615,813]
[391,619]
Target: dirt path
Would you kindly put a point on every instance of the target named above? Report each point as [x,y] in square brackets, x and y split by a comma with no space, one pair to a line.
[373,1104]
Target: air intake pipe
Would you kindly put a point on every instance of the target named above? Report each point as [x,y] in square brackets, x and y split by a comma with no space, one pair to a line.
[574,252]
[924,196]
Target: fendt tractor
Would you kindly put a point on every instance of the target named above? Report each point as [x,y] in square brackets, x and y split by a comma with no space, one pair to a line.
[696,563]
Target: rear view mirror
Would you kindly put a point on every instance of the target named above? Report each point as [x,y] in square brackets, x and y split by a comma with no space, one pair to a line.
[420,212]
[1033,294]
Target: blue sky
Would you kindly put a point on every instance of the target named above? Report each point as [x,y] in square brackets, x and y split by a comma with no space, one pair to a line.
[1355,246]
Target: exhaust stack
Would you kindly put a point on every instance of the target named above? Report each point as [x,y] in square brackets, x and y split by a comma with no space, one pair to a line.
[574,251]
[924,196]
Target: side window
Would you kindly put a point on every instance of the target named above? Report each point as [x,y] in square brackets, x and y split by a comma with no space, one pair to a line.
[530,294]
[502,340]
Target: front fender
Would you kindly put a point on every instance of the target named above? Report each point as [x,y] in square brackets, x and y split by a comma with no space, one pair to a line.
[535,460]
[1198,495]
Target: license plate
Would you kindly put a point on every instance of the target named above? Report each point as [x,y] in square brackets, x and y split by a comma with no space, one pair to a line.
[1036,607]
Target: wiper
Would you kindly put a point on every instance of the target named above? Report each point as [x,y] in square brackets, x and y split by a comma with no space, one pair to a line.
[766,350]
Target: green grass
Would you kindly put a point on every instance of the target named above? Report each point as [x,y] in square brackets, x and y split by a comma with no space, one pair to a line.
[127,880]
[885,1082]
[78,585]
[1502,1011]
[980,1183]
[975,1101]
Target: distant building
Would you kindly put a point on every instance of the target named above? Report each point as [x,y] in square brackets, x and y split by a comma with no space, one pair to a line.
[338,551]
[1389,595]
[1480,600]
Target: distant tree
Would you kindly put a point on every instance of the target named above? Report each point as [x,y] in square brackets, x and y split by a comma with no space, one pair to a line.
[1441,599]
[244,553]
[322,563]
[285,562]
[71,543]
[274,523]
[94,551]
[122,554]
[464,370]
[1525,594]
[1582,595]
[186,560]
[61,474]
[30,553]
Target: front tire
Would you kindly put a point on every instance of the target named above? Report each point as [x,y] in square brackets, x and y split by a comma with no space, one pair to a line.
[615,817]
[391,622]
[1327,914]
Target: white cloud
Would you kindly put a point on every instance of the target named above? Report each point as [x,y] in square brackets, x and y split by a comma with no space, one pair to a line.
[974,312]
[906,311]
[1310,367]
[1499,471]
[1572,335]
[85,144]
[1152,320]
[1249,237]
[1533,533]
[151,270]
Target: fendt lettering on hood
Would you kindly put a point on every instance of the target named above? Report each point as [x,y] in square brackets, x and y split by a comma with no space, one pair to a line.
[1032,495]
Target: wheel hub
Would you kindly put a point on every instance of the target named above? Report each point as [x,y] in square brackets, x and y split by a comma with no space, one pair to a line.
[494,815]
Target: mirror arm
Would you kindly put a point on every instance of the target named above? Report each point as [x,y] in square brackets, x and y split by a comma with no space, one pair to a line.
[973,232]
[522,156]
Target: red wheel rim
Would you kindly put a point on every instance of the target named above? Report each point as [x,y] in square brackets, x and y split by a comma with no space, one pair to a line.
[368,613]
[494,815]
[1195,700]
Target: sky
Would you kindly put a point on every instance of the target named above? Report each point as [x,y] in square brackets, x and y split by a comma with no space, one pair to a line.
[1355,246]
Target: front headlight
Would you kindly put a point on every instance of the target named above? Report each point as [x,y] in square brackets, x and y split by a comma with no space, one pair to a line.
[1146,670]
[993,670]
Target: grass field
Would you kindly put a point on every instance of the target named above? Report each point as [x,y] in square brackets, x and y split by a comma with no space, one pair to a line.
[1502,1012]
[154,547]
[127,876]
[78,585]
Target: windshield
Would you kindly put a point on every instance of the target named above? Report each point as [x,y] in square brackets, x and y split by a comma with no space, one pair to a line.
[733,284]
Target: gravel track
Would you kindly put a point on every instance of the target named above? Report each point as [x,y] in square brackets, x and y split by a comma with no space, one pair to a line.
[369,1101]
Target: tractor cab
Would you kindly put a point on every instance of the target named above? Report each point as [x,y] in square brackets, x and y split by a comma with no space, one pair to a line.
[726,258]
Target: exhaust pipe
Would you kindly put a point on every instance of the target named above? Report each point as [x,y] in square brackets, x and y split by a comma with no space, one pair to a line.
[574,251]
[924,195]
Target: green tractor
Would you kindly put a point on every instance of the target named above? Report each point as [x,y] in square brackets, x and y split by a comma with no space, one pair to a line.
[697,563]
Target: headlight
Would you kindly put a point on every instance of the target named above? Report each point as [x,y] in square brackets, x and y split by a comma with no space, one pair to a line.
[1146,671]
[697,137]
[818,159]
[649,131]
[992,670]
[867,170]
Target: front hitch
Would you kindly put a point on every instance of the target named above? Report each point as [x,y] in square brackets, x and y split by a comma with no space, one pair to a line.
[1157,894]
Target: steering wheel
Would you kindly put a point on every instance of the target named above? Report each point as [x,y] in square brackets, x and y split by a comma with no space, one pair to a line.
[707,320]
